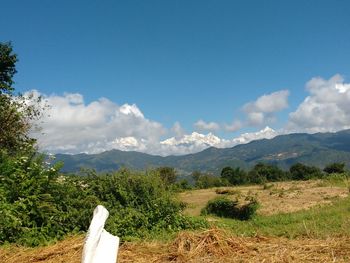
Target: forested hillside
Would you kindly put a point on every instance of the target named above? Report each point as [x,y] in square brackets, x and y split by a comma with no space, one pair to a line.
[284,150]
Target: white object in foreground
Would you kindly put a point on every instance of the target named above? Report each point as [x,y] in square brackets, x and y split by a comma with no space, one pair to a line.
[100,246]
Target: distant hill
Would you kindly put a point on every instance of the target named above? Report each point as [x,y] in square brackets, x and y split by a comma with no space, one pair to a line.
[313,149]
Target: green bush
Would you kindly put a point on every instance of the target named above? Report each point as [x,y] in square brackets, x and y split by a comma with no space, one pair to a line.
[301,171]
[139,203]
[335,168]
[36,204]
[224,207]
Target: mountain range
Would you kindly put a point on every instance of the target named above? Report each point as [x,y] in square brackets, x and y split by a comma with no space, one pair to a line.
[317,149]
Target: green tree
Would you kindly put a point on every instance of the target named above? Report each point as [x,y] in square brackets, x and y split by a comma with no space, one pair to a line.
[263,172]
[17,113]
[235,176]
[196,175]
[301,171]
[7,68]
[335,168]
[168,174]
[208,180]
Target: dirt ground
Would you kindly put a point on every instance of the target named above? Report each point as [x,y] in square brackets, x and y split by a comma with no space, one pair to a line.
[208,246]
[281,197]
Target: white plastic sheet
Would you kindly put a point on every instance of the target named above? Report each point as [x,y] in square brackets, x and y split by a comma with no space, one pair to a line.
[100,246]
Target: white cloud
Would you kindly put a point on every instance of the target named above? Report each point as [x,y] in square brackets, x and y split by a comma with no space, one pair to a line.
[196,142]
[73,126]
[262,110]
[190,143]
[325,109]
[234,126]
[177,130]
[206,126]
[266,133]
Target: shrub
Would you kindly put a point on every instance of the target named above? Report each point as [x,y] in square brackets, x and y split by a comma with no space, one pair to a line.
[138,203]
[227,191]
[235,176]
[335,168]
[301,171]
[224,207]
[208,181]
[36,206]
[262,173]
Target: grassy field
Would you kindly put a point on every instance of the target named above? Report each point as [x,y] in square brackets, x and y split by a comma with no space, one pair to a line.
[275,198]
[297,222]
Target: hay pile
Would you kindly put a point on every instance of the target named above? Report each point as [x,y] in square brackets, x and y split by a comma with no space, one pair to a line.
[217,246]
[67,251]
[214,245]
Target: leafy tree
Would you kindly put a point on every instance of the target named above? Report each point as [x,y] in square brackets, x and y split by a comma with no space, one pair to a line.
[36,205]
[7,68]
[262,173]
[335,168]
[168,174]
[17,113]
[196,175]
[235,176]
[301,171]
[209,180]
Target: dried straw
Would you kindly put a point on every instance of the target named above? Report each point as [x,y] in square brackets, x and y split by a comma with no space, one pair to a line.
[214,245]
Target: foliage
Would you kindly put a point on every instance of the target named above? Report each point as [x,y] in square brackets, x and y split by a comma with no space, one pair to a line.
[301,171]
[138,203]
[335,168]
[168,174]
[262,173]
[17,113]
[181,185]
[235,176]
[7,67]
[208,180]
[224,207]
[38,205]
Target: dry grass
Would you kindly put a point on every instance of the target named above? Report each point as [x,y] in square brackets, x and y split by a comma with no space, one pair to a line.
[282,197]
[68,251]
[212,245]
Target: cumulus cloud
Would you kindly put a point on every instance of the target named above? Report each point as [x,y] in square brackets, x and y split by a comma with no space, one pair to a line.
[206,126]
[177,130]
[263,110]
[266,133]
[234,126]
[326,108]
[72,126]
[194,142]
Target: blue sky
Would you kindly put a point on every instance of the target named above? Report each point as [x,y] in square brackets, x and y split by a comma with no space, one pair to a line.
[181,61]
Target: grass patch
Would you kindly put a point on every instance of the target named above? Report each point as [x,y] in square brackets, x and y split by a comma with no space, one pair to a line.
[317,222]
[338,180]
